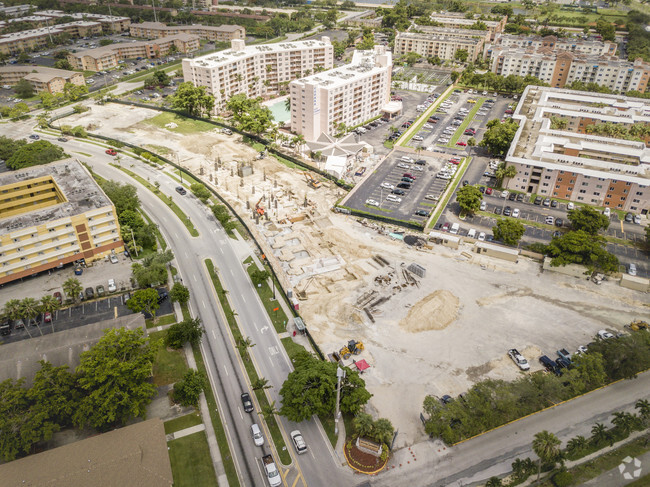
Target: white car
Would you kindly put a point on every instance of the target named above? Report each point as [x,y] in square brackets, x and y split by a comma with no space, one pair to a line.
[298,442]
[427,126]
[604,335]
[418,138]
[607,212]
[481,236]
[372,202]
[392,197]
[631,269]
[582,349]
[483,206]
[505,194]
[258,438]
[570,205]
[111,286]
[387,185]
[550,220]
[113,258]
[442,175]
[515,213]
[403,166]
[418,168]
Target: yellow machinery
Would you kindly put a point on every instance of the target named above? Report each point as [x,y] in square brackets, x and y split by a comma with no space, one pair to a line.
[353,347]
[637,325]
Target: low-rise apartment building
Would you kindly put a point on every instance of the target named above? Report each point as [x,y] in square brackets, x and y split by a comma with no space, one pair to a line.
[16,10]
[52,215]
[109,23]
[571,164]
[263,70]
[457,20]
[41,78]
[443,42]
[107,57]
[221,33]
[349,94]
[37,39]
[559,68]
[569,44]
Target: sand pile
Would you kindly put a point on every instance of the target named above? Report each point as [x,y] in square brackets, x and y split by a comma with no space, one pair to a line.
[435,312]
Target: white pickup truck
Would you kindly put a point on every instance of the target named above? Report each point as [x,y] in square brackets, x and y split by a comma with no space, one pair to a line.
[272,473]
[519,359]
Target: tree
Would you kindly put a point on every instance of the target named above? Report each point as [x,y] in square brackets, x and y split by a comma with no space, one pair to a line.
[311,389]
[606,30]
[363,424]
[339,49]
[12,309]
[461,55]
[494,482]
[259,276]
[624,421]
[189,330]
[63,64]
[587,219]
[269,410]
[599,434]
[260,384]
[504,172]
[30,309]
[123,196]
[200,191]
[49,304]
[188,390]
[383,431]
[498,136]
[24,89]
[224,217]
[580,247]
[454,76]
[194,100]
[114,378]
[144,300]
[72,288]
[411,58]
[249,114]
[36,153]
[158,78]
[9,146]
[152,271]
[547,447]
[367,42]
[509,231]
[74,92]
[469,198]
[576,445]
[53,393]
[18,111]
[179,293]
[105,42]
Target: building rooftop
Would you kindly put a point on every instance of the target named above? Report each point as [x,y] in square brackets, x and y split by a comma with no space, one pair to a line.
[162,26]
[39,73]
[428,29]
[81,15]
[30,18]
[55,29]
[459,18]
[111,48]
[230,55]
[441,36]
[79,190]
[133,455]
[537,144]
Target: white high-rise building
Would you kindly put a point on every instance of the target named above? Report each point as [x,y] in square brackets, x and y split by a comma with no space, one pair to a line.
[262,70]
[350,94]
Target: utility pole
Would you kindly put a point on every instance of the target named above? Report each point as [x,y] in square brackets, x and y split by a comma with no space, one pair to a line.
[153,4]
[340,374]
[135,246]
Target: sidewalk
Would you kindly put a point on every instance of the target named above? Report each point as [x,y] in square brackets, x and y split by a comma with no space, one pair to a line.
[633,470]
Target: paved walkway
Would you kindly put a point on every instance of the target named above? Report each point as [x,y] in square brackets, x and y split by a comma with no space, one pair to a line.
[186,432]
[624,473]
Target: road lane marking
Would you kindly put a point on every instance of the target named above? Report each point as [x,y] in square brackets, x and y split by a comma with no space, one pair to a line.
[232,273]
[176,235]
[224,367]
[214,335]
[115,312]
[299,477]
[240,414]
[194,276]
[243,298]
[203,303]
[273,350]
[264,328]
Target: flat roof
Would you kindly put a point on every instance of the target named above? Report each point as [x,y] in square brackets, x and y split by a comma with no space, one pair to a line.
[441,37]
[81,191]
[114,48]
[163,26]
[133,455]
[82,15]
[230,55]
[496,248]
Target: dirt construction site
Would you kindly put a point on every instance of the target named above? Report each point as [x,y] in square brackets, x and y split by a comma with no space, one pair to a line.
[437,328]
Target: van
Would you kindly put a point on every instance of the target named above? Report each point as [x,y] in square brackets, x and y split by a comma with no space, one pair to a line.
[257,435]
[406,159]
[471,233]
[455,228]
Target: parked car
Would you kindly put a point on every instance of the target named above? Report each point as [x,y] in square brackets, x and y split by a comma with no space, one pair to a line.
[62,139]
[372,202]
[100,291]
[604,335]
[631,269]
[629,217]
[90,293]
[162,295]
[387,185]
[113,258]
[538,200]
[421,212]
[481,237]
[111,286]
[34,136]
[398,191]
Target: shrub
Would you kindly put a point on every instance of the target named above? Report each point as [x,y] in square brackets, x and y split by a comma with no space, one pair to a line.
[562,479]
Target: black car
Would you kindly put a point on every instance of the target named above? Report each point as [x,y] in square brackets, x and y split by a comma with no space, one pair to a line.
[246,401]
[512,196]
[559,222]
[465,183]
[181,190]
[482,189]
[538,200]
[398,191]
[5,328]
[421,162]
[553,203]
[497,210]
[404,185]
[446,399]
[162,295]
[90,292]
[507,211]
[421,213]
[520,197]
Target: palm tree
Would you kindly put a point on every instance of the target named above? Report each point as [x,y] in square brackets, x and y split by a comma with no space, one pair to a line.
[298,140]
[269,410]
[287,104]
[242,344]
[599,434]
[72,287]
[643,405]
[494,482]
[383,431]
[547,447]
[12,309]
[363,424]
[260,384]
[30,309]
[49,304]
[624,421]
[576,444]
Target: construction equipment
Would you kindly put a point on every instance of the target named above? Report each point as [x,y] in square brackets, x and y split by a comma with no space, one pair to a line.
[258,208]
[311,181]
[355,347]
[345,353]
[638,325]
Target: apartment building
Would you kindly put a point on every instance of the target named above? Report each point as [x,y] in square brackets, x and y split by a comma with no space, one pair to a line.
[263,70]
[109,23]
[16,10]
[573,44]
[41,78]
[443,42]
[457,20]
[349,94]
[568,163]
[221,33]
[558,68]
[36,39]
[106,57]
[51,215]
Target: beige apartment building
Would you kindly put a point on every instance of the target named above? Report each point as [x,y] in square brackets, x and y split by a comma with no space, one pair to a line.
[350,94]
[262,70]
[569,163]
[109,23]
[221,33]
[559,68]
[52,215]
[41,78]
[37,39]
[107,57]
[574,45]
[457,20]
[443,42]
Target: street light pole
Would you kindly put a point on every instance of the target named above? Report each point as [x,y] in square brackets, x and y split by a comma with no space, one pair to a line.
[135,245]
[340,374]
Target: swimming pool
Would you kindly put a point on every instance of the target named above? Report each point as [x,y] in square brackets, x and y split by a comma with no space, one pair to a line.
[280,112]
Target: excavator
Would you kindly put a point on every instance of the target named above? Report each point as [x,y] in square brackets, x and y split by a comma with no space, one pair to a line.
[311,181]
[258,208]
[353,347]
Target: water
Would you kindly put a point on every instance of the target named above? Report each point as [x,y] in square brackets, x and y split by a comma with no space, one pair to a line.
[280,112]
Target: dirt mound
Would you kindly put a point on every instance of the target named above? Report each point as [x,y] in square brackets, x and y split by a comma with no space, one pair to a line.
[435,312]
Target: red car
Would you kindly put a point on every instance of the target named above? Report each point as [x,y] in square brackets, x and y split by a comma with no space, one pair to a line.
[509,111]
[57,295]
[111,152]
[461,143]
[445,227]
[488,191]
[47,317]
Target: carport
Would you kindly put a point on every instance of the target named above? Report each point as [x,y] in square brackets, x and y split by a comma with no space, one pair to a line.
[391,110]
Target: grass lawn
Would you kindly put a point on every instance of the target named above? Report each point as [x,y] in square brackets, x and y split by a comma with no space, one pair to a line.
[182,423]
[191,461]
[169,365]
[328,426]
[185,125]
[278,318]
[161,321]
[292,347]
[443,204]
